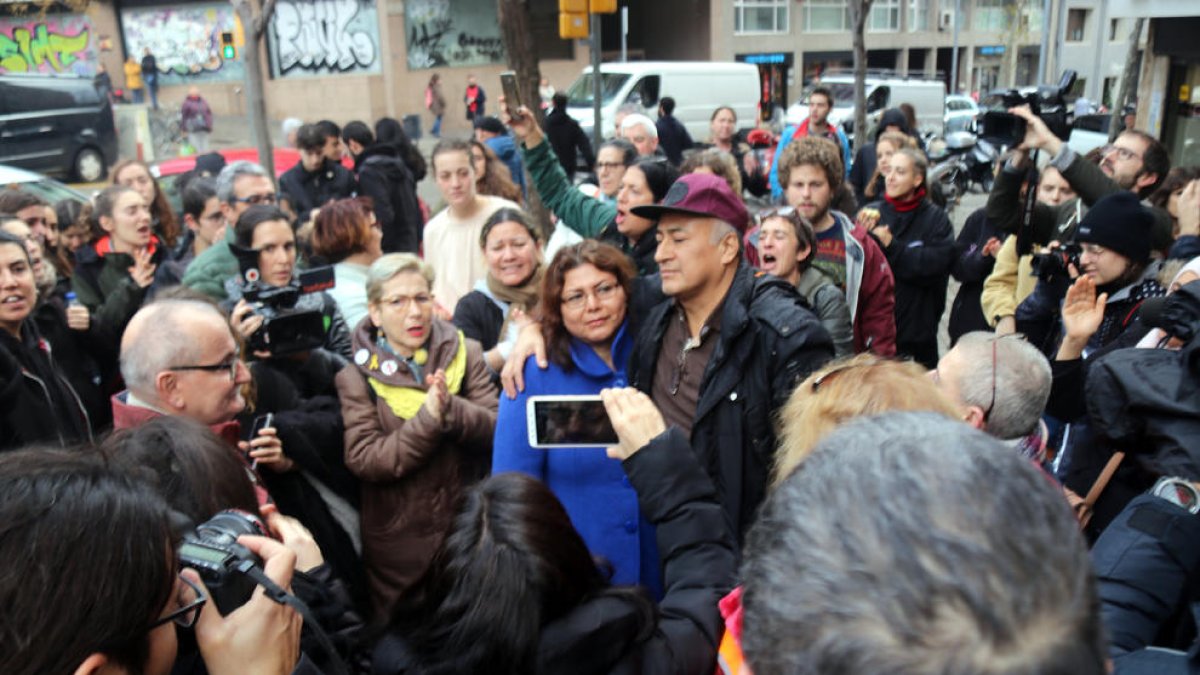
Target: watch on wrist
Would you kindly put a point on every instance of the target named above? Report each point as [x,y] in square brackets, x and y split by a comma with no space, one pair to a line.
[1179,492]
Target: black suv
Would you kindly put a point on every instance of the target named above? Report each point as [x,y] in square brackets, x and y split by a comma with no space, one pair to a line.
[56,124]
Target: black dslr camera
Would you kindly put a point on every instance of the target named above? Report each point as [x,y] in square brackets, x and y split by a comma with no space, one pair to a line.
[1053,263]
[1047,103]
[286,329]
[212,550]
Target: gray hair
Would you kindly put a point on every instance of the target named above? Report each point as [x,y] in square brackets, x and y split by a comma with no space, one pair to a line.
[635,119]
[721,228]
[161,336]
[964,559]
[231,173]
[291,124]
[388,266]
[1023,382]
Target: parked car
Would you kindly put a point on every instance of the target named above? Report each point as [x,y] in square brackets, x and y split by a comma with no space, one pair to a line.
[961,111]
[1089,132]
[698,87]
[883,91]
[56,125]
[48,189]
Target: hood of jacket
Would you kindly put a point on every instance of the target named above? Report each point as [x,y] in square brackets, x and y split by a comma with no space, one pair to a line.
[380,363]
[382,157]
[504,148]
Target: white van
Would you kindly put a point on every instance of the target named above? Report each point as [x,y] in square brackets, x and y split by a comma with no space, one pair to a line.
[928,97]
[698,87]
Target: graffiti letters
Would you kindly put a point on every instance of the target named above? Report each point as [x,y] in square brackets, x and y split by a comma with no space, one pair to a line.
[42,48]
[321,36]
[185,40]
[452,33]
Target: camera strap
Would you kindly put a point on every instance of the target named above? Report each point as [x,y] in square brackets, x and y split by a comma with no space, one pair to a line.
[1025,232]
[281,596]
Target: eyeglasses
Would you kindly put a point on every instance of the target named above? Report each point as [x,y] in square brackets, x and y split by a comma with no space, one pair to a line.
[1123,153]
[230,366]
[987,413]
[399,302]
[609,165]
[603,293]
[851,365]
[185,616]
[255,200]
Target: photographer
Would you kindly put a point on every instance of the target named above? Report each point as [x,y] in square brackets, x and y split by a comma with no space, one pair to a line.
[1135,162]
[89,600]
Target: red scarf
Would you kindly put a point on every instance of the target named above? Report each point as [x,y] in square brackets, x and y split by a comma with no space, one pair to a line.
[906,205]
[104,245]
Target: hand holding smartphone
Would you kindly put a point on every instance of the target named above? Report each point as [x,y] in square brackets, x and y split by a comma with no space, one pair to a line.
[512,94]
[568,422]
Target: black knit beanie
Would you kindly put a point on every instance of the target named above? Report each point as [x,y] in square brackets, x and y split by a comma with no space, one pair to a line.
[1119,223]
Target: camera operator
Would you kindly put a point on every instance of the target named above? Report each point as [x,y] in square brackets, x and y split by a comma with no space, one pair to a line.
[1135,162]
[295,383]
[87,599]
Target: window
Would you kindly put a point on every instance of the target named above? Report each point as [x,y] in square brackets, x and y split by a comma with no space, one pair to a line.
[826,16]
[885,16]
[1112,30]
[990,16]
[918,15]
[760,16]
[1076,23]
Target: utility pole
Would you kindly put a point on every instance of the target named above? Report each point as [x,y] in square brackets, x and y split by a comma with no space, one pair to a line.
[1041,76]
[954,52]
[624,34]
[597,88]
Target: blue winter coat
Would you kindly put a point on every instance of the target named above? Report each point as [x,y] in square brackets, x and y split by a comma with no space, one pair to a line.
[593,488]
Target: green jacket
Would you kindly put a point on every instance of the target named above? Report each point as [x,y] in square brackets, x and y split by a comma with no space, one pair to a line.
[104,286]
[210,269]
[1005,205]
[587,216]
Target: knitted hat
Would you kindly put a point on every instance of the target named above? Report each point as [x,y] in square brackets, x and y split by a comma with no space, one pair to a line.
[1119,223]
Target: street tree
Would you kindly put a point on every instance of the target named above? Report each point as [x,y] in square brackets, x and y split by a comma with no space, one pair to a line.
[516,29]
[254,25]
[859,11]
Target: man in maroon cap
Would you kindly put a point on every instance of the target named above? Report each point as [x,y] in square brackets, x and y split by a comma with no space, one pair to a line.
[722,355]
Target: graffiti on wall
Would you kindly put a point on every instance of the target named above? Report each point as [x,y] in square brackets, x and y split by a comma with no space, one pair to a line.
[317,37]
[49,44]
[185,41]
[452,33]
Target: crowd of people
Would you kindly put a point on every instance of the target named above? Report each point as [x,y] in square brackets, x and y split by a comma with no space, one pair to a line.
[803,479]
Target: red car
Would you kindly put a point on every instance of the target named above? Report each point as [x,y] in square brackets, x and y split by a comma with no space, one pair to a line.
[285,158]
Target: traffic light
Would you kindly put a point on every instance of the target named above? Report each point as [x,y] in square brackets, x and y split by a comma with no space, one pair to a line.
[602,6]
[572,26]
[228,51]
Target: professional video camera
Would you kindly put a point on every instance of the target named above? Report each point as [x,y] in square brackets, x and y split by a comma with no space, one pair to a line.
[287,328]
[1053,263]
[212,550]
[1047,103]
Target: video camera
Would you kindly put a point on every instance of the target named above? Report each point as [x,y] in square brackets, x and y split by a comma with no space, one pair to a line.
[1053,263]
[1047,103]
[286,329]
[212,550]
[1177,314]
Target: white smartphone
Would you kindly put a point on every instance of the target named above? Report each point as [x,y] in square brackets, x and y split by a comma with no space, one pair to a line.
[568,422]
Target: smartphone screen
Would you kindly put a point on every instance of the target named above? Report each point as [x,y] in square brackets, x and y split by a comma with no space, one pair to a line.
[575,421]
[512,95]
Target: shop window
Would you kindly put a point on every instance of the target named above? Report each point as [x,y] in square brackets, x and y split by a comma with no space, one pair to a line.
[760,16]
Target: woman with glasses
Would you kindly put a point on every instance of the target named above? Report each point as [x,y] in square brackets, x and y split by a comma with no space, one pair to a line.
[419,409]
[38,403]
[584,305]
[135,174]
[918,240]
[84,599]
[643,183]
[126,264]
[501,304]
[266,233]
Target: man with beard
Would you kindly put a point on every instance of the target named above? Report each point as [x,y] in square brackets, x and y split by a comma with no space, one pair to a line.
[1135,162]
[811,172]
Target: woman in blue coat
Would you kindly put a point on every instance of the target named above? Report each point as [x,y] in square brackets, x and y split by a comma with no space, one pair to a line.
[583,302]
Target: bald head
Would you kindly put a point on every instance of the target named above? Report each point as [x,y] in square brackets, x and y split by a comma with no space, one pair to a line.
[163,335]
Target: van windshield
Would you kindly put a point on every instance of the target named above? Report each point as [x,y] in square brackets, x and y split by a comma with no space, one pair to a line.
[843,93]
[580,93]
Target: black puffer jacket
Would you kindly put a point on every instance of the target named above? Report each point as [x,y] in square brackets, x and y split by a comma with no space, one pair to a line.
[920,256]
[311,189]
[608,634]
[769,342]
[384,177]
[37,403]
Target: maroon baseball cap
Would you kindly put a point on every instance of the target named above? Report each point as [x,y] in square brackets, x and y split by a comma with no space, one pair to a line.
[703,195]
